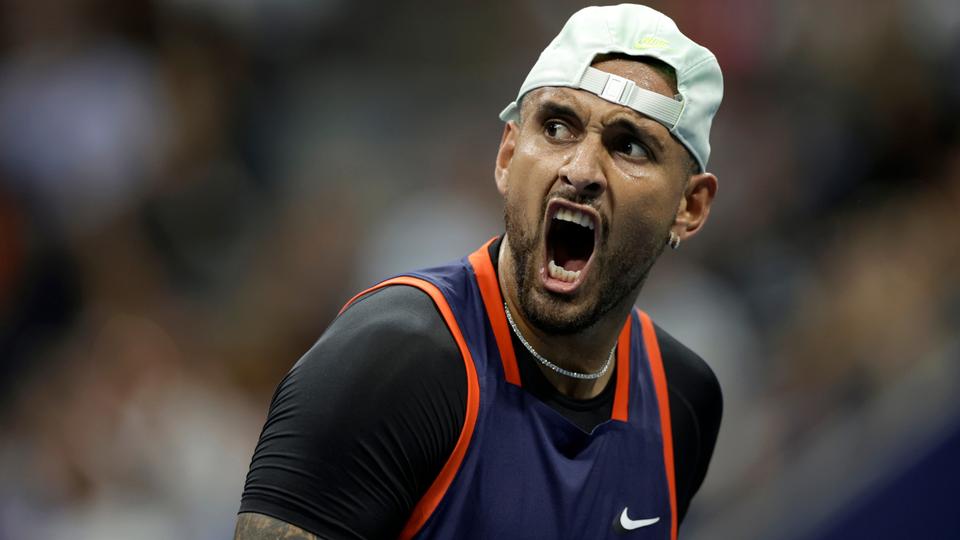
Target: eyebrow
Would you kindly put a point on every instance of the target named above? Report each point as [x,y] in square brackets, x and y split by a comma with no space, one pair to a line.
[636,131]
[550,108]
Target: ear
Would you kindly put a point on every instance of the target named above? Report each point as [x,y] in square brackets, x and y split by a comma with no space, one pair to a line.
[508,143]
[695,204]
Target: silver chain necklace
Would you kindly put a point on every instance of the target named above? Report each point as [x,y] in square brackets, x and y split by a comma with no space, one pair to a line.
[551,365]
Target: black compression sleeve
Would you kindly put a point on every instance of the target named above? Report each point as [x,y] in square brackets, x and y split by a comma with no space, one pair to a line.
[696,407]
[363,423]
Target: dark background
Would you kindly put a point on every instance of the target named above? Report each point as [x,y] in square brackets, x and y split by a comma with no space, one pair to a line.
[190,189]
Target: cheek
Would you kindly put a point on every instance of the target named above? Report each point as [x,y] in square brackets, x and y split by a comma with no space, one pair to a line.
[642,215]
[538,156]
[531,176]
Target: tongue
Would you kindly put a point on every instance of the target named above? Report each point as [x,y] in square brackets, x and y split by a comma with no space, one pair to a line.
[563,257]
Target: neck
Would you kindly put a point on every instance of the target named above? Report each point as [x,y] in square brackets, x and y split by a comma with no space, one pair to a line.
[585,351]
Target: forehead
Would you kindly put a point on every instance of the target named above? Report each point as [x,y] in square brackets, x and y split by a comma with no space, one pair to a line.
[640,72]
[637,71]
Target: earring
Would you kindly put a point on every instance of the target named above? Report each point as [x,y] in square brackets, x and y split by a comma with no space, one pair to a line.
[674,240]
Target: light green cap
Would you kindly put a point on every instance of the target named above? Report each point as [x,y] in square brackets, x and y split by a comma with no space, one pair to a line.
[636,31]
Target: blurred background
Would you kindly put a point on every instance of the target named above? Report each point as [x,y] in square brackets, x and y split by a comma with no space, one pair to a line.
[190,189]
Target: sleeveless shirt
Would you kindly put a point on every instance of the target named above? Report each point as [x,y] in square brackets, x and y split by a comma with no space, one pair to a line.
[519,468]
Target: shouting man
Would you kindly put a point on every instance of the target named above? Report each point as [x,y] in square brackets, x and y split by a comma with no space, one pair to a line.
[518,393]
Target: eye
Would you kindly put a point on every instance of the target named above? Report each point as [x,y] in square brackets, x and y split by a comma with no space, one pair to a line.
[632,148]
[558,130]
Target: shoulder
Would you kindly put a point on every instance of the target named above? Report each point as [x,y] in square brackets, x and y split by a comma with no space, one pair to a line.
[396,312]
[689,376]
[362,424]
[696,408]
[383,343]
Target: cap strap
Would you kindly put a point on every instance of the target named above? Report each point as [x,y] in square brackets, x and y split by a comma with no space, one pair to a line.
[624,92]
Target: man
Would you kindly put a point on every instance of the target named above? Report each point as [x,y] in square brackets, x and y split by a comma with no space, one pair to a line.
[517,393]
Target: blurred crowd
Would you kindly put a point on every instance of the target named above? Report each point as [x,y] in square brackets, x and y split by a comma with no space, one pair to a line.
[190,189]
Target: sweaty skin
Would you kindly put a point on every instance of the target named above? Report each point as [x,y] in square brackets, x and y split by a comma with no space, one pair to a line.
[576,146]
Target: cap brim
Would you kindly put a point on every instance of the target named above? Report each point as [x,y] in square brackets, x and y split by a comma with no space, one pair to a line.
[511,113]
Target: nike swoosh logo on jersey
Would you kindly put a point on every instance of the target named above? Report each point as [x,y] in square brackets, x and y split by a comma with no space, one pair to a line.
[631,524]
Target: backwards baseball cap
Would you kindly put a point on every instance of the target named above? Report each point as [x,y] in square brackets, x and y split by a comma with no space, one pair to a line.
[635,31]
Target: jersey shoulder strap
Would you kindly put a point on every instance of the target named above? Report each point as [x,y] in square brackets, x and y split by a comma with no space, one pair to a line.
[434,494]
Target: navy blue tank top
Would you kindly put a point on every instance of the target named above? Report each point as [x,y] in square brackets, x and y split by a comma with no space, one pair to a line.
[519,468]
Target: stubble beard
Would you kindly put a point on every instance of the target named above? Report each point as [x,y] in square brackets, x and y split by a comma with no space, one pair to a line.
[620,271]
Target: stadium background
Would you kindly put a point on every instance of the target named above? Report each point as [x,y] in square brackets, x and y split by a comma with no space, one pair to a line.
[189,189]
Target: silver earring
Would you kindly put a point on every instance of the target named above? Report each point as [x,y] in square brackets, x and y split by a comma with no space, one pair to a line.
[674,241]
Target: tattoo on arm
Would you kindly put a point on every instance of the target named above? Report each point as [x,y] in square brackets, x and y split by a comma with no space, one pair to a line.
[251,526]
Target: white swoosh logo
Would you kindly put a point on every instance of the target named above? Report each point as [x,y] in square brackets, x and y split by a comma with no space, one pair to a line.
[631,524]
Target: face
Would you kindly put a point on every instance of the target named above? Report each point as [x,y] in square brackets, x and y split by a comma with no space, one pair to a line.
[592,190]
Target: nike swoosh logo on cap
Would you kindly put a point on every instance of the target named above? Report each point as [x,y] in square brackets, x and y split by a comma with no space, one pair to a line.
[631,524]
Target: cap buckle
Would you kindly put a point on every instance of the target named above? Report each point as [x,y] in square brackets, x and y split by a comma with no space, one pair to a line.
[614,88]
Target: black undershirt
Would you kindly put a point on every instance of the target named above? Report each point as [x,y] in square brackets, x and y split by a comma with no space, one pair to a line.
[361,426]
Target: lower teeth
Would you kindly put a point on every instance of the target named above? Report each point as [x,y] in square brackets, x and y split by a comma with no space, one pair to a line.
[558,272]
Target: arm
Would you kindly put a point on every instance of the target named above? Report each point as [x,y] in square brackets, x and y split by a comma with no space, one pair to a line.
[252,526]
[360,427]
[696,408]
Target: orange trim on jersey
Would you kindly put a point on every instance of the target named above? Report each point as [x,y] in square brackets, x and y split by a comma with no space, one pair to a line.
[428,503]
[493,302]
[660,385]
[621,397]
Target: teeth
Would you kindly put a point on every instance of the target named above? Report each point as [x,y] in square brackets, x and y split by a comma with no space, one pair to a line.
[586,221]
[574,216]
[558,272]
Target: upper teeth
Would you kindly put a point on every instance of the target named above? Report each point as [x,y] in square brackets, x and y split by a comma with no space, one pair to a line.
[574,216]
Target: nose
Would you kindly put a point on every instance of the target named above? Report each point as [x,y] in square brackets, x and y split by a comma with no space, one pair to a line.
[583,169]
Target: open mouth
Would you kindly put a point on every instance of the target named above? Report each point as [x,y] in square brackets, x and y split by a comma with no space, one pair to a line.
[571,237]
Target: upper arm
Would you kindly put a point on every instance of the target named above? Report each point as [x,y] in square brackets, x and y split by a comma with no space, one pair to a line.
[696,409]
[363,423]
[253,526]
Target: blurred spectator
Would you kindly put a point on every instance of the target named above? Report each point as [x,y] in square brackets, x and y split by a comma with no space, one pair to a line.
[189,191]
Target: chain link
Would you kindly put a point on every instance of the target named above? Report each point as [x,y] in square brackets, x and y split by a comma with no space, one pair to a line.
[551,365]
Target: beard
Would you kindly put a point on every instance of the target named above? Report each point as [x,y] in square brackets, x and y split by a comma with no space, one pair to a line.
[619,270]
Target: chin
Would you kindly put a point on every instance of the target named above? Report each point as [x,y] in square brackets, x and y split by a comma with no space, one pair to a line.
[600,275]
[617,279]
[558,314]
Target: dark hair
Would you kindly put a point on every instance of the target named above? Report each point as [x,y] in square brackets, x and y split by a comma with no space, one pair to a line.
[661,67]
